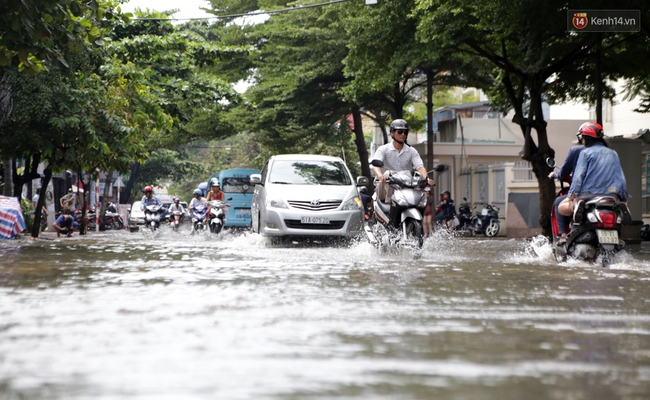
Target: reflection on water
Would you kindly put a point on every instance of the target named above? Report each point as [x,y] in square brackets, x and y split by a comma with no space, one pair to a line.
[131,315]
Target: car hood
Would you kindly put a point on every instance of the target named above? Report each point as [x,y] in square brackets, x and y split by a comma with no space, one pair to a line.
[309,192]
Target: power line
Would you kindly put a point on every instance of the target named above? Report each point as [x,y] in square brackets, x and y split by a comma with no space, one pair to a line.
[245,14]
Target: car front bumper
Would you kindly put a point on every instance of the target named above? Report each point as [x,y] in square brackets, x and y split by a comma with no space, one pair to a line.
[288,222]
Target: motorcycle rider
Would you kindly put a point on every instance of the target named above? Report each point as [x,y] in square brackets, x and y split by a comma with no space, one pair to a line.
[215,193]
[447,211]
[397,156]
[566,170]
[177,207]
[149,199]
[598,171]
[197,200]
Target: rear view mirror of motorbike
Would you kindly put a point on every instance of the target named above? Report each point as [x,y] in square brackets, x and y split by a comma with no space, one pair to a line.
[377,163]
[441,168]
[550,161]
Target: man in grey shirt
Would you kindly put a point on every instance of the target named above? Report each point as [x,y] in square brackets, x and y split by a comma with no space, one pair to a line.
[397,156]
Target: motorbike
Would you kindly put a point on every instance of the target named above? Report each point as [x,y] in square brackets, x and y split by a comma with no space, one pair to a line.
[217,217]
[152,216]
[598,230]
[464,217]
[199,214]
[175,220]
[400,222]
[112,220]
[486,223]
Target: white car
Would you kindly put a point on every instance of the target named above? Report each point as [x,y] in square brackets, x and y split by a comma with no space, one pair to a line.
[137,215]
[306,195]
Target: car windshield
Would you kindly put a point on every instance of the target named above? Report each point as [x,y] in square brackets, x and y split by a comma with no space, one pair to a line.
[237,185]
[309,173]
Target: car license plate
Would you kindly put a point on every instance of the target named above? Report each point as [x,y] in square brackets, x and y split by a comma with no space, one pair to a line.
[243,213]
[607,237]
[315,220]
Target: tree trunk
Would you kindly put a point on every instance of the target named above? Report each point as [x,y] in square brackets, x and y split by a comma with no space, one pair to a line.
[537,154]
[7,190]
[135,171]
[104,204]
[30,173]
[36,229]
[430,135]
[360,141]
[84,207]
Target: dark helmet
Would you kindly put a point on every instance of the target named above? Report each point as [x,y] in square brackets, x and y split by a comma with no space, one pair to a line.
[363,189]
[175,199]
[592,129]
[399,124]
[447,193]
[148,189]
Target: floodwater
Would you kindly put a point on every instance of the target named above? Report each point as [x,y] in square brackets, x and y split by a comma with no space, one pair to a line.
[121,315]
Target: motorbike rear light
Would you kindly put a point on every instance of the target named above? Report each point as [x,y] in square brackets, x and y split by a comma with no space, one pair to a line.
[591,217]
[608,219]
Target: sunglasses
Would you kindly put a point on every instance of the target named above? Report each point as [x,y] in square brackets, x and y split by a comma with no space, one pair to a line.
[401,132]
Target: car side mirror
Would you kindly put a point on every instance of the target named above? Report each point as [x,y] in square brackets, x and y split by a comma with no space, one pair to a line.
[362,181]
[256,179]
[377,163]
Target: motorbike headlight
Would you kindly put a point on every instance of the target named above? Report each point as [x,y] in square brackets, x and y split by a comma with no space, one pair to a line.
[423,201]
[353,203]
[402,202]
[276,203]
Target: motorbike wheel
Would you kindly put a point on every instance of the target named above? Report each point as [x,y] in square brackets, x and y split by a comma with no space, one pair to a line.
[607,258]
[492,229]
[413,232]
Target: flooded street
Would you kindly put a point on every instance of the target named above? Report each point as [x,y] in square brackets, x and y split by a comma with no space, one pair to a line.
[123,315]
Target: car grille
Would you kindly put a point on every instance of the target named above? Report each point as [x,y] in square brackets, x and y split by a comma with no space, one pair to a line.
[296,224]
[322,206]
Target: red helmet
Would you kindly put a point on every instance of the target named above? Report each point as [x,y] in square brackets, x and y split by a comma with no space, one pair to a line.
[148,189]
[592,129]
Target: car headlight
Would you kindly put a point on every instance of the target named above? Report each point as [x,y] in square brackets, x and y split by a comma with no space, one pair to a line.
[276,203]
[353,204]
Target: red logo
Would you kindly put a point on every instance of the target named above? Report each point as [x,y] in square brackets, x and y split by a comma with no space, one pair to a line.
[580,20]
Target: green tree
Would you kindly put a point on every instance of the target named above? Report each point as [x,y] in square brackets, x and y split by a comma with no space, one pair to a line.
[33,33]
[534,58]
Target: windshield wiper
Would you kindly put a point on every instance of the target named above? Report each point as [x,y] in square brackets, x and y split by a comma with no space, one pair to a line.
[282,183]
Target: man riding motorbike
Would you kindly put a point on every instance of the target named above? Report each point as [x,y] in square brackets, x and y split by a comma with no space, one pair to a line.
[598,171]
[397,156]
[149,199]
[177,209]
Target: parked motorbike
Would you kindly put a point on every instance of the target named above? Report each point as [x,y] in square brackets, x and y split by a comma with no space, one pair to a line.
[217,217]
[400,222]
[599,229]
[464,217]
[199,214]
[112,220]
[486,223]
[152,216]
